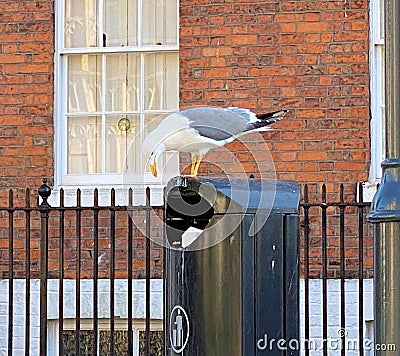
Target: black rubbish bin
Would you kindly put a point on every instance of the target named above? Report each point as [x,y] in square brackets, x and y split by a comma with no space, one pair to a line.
[232,283]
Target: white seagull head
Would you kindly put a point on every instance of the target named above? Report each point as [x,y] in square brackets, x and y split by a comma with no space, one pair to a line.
[152,150]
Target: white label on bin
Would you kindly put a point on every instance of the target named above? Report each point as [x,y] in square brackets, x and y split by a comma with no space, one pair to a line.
[178,329]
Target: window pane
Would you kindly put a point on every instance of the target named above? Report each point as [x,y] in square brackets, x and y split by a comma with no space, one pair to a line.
[120,342]
[171,22]
[381,19]
[80,23]
[155,32]
[122,78]
[150,123]
[123,144]
[86,342]
[84,144]
[84,83]
[380,51]
[120,22]
[161,81]
[156,343]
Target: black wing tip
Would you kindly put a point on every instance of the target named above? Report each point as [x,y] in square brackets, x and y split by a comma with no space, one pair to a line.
[272,114]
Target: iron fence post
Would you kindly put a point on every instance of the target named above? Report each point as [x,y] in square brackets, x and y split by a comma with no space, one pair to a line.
[385,214]
[44,192]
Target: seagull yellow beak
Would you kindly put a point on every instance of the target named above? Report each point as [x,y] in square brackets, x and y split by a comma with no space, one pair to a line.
[153,168]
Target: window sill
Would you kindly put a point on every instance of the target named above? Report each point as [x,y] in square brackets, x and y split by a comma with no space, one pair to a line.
[104,183]
[104,195]
[369,190]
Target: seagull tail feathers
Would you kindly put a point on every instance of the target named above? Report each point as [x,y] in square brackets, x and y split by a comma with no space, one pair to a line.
[264,120]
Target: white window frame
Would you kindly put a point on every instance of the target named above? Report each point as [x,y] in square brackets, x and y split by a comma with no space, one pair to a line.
[105,180]
[377,86]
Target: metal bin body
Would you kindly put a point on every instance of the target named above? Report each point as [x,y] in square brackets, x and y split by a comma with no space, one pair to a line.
[234,290]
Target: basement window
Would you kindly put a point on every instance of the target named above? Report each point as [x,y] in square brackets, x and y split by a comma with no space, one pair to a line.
[86,343]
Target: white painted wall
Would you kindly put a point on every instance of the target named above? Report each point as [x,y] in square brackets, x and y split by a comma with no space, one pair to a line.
[157,309]
[121,311]
[351,311]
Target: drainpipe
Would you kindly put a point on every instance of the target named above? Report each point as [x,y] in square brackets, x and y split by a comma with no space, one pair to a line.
[385,214]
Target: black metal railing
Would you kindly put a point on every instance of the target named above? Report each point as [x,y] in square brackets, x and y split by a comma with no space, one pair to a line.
[112,242]
[336,243]
[53,244]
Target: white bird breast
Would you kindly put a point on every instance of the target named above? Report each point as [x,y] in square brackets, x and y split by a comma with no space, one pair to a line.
[178,135]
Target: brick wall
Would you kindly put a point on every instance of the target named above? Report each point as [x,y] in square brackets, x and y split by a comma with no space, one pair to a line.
[26,92]
[307,56]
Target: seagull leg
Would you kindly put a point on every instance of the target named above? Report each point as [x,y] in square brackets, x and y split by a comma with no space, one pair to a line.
[198,161]
[192,168]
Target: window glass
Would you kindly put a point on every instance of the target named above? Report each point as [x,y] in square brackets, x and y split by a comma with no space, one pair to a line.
[122,82]
[84,144]
[81,23]
[159,22]
[161,81]
[84,83]
[121,23]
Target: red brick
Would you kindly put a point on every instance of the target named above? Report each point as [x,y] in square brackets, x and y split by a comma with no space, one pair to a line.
[308,27]
[241,39]
[288,166]
[285,17]
[350,166]
[307,177]
[311,113]
[312,48]
[312,156]
[218,73]
[289,38]
[217,51]
[288,146]
[288,27]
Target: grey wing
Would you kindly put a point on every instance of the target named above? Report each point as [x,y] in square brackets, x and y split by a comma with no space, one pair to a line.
[215,123]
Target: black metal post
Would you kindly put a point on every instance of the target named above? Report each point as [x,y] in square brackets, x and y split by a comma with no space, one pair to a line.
[385,214]
[130,276]
[27,272]
[44,192]
[96,210]
[10,271]
[78,237]
[61,277]
[112,273]
[324,207]
[148,268]
[306,208]
[361,269]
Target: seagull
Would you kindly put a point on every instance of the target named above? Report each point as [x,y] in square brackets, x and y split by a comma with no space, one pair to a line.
[198,130]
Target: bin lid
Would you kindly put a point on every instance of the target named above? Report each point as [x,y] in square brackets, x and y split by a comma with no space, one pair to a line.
[249,195]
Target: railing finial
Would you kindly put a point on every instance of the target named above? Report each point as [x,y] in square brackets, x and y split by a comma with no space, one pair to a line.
[44,192]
